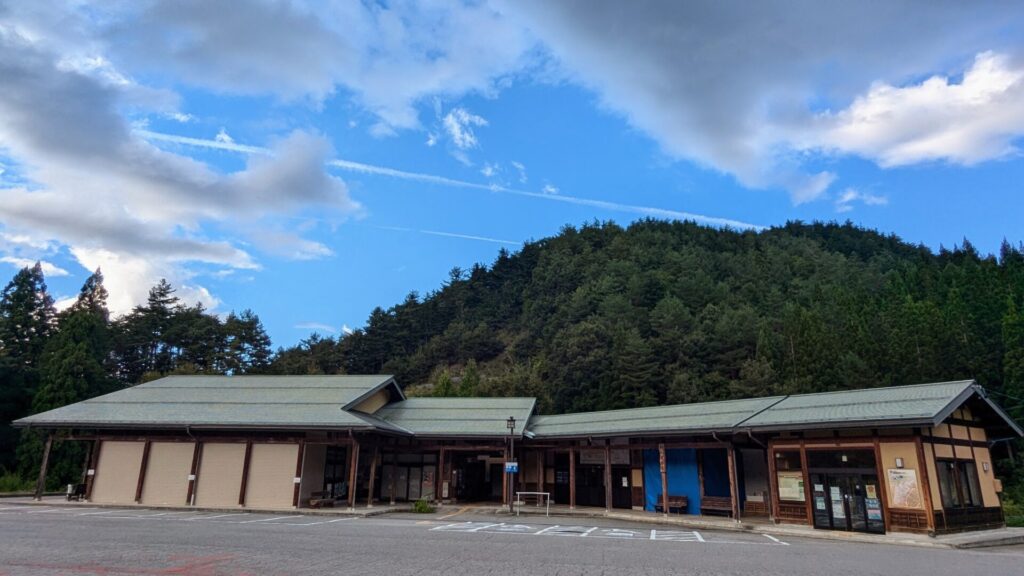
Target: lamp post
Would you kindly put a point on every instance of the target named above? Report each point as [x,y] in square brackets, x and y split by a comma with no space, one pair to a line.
[511,423]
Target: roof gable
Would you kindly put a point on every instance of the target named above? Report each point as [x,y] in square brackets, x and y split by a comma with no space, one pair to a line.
[467,417]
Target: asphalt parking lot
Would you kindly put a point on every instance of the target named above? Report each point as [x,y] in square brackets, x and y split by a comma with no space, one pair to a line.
[52,540]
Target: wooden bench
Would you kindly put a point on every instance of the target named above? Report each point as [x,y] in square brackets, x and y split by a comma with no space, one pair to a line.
[321,500]
[678,504]
[716,505]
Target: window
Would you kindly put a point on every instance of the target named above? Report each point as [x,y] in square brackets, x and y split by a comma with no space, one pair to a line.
[958,483]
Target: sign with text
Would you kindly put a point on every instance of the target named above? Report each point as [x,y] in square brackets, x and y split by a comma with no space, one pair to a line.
[511,467]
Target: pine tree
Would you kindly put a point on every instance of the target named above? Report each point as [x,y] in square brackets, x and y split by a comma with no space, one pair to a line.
[470,381]
[248,346]
[1013,359]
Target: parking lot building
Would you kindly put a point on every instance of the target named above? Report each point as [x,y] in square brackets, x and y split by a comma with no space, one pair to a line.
[915,458]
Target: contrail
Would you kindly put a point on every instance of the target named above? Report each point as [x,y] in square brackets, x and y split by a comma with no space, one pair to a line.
[361,168]
[450,235]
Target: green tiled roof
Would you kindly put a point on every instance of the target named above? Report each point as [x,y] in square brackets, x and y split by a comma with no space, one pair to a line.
[469,417]
[914,404]
[223,402]
[703,417]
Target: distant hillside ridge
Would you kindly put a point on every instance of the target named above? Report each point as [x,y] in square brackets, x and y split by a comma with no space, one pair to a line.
[602,317]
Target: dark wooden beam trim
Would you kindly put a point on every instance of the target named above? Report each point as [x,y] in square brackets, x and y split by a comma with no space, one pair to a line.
[607,477]
[193,474]
[883,481]
[373,476]
[572,478]
[93,462]
[245,473]
[353,472]
[142,471]
[41,480]
[807,483]
[925,479]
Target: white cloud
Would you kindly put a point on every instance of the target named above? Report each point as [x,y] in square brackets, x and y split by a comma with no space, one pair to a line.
[316,327]
[223,136]
[431,139]
[965,122]
[113,198]
[736,86]
[549,189]
[459,123]
[49,268]
[489,169]
[846,199]
[522,171]
[346,330]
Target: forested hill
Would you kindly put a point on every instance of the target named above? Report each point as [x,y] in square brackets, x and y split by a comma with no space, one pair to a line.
[605,317]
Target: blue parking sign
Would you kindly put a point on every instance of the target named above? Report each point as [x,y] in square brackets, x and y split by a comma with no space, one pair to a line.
[511,467]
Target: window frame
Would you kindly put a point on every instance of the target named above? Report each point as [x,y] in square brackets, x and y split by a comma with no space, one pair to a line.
[960,472]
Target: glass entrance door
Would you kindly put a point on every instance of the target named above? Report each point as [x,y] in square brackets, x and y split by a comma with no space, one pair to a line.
[847,501]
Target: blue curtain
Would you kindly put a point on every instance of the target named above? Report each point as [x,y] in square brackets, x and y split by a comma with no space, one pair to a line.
[681,473]
[716,472]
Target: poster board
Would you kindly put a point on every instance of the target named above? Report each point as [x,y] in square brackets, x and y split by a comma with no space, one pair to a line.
[904,490]
[791,486]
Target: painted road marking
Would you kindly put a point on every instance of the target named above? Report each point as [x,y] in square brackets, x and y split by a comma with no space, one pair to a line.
[207,517]
[774,539]
[264,519]
[456,513]
[96,513]
[677,535]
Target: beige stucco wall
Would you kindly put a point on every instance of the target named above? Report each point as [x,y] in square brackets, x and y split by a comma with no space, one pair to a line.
[986,478]
[908,451]
[220,474]
[117,472]
[271,476]
[933,477]
[166,482]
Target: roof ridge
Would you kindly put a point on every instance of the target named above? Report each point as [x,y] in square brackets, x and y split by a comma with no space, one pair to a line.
[876,389]
[638,408]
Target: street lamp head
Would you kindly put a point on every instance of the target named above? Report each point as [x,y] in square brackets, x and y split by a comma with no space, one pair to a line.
[511,423]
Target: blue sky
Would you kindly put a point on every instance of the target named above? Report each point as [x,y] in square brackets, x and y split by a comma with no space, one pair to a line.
[313,161]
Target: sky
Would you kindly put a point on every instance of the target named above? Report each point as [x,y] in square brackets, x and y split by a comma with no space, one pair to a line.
[311,161]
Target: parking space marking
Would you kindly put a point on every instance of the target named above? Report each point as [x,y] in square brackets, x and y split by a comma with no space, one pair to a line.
[774,539]
[264,519]
[204,517]
[96,513]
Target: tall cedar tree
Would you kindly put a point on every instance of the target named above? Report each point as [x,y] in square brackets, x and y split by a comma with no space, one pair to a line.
[26,321]
[72,368]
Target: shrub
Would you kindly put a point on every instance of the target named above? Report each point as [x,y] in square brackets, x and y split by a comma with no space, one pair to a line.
[11,482]
[421,506]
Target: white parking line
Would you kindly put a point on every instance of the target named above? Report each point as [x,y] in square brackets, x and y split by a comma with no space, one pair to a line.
[96,513]
[545,530]
[479,528]
[210,517]
[263,519]
[588,531]
[774,539]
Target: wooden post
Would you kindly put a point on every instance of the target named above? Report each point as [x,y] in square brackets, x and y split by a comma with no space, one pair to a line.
[41,481]
[394,476]
[607,475]
[572,477]
[142,472]
[93,461]
[193,473]
[773,499]
[297,490]
[540,470]
[664,478]
[245,473]
[927,485]
[373,476]
[882,483]
[439,475]
[85,463]
[733,485]
[353,465]
[807,483]
[504,479]
[942,505]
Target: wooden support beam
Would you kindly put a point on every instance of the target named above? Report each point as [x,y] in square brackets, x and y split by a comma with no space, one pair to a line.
[193,473]
[807,484]
[942,505]
[664,478]
[607,476]
[504,480]
[245,473]
[297,490]
[373,476]
[94,459]
[733,484]
[773,500]
[394,477]
[882,484]
[353,475]
[927,485]
[142,472]
[572,478]
[41,481]
[540,470]
[439,476]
